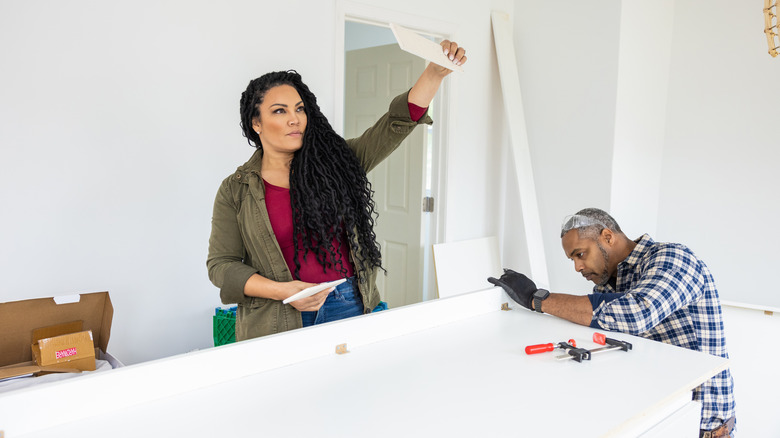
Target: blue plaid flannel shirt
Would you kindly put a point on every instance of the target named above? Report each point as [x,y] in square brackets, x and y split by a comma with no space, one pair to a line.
[668,295]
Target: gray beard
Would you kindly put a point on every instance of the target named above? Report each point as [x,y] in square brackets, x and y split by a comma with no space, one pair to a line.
[604,278]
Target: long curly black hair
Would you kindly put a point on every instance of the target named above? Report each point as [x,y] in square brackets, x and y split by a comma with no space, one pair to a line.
[329,191]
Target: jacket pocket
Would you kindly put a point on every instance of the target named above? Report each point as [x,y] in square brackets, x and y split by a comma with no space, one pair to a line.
[255,319]
[257,303]
[402,126]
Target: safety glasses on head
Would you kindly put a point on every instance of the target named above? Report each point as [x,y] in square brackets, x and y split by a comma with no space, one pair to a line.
[575,221]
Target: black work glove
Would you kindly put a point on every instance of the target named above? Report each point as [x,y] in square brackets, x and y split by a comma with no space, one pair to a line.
[517,286]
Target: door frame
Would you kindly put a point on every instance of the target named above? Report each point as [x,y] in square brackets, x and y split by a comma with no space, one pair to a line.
[347,10]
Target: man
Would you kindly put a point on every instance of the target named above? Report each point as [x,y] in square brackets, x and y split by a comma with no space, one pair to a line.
[659,291]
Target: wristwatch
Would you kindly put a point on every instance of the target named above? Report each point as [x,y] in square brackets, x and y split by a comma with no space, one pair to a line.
[539,296]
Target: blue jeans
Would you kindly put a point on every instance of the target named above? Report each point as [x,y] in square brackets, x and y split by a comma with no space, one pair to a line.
[344,302]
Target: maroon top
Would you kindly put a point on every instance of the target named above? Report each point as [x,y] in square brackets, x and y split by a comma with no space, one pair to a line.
[277,201]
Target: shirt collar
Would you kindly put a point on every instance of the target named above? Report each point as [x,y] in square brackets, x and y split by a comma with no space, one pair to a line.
[642,245]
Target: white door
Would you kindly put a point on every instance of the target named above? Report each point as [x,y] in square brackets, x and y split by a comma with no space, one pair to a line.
[373,77]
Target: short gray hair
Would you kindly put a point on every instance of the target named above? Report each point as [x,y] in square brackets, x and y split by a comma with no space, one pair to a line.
[589,223]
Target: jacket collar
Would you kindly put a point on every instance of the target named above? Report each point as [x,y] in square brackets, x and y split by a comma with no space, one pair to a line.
[253,165]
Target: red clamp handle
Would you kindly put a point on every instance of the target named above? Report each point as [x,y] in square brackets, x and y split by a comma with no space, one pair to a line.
[540,348]
[543,348]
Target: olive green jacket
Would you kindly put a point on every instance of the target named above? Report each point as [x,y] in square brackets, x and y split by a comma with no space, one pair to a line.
[242,241]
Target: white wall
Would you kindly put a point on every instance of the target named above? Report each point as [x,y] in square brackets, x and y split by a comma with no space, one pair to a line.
[568,63]
[640,117]
[720,179]
[118,120]
[646,111]
[664,113]
[750,335]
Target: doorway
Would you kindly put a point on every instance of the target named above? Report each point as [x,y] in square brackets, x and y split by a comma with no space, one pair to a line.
[375,71]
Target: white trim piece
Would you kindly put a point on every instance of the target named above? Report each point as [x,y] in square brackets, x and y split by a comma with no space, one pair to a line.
[465,266]
[682,423]
[762,307]
[339,61]
[143,383]
[453,366]
[417,45]
[676,403]
[513,104]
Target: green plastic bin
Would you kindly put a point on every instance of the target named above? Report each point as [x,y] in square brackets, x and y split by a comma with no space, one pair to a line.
[224,328]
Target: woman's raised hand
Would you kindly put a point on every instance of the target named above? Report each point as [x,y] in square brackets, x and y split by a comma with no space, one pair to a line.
[456,53]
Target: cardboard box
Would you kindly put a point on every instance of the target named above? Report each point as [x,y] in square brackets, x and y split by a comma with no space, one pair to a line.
[64,346]
[63,324]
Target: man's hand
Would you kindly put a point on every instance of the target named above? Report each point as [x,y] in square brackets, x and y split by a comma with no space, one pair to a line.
[517,286]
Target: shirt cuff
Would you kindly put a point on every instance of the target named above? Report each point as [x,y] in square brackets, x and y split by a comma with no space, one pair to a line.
[236,276]
[597,300]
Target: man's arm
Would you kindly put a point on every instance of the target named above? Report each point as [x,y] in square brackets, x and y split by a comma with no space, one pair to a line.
[521,289]
[575,308]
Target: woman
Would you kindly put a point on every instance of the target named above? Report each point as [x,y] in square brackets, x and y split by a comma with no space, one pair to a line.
[300,212]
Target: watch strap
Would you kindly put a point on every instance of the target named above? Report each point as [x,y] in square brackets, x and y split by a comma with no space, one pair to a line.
[538,300]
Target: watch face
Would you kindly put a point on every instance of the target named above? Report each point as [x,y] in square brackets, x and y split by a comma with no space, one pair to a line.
[541,294]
